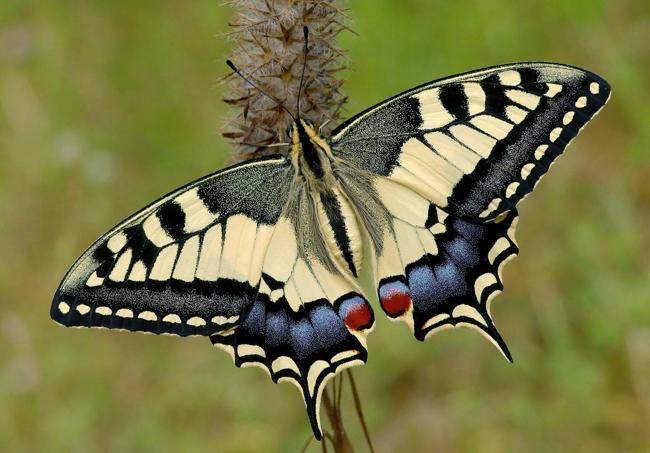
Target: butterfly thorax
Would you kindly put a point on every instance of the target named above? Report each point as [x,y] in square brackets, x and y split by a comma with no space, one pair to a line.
[312,159]
[311,156]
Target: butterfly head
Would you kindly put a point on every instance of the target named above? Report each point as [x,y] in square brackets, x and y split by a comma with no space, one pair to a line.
[310,152]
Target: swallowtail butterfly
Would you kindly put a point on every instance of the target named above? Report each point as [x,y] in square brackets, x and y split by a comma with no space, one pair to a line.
[263,257]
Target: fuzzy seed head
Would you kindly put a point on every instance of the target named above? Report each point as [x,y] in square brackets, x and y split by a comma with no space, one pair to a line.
[269,48]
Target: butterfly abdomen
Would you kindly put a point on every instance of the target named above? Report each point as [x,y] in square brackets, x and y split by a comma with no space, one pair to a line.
[340,228]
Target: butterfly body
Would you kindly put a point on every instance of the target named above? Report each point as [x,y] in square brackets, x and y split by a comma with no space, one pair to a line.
[263,257]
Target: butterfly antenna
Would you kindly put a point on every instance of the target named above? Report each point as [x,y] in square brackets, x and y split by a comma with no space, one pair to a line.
[232,66]
[305,31]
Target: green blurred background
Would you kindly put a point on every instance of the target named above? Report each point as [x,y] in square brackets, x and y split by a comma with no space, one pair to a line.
[106,105]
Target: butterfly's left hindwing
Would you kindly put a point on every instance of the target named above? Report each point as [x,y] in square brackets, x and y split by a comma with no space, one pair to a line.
[310,319]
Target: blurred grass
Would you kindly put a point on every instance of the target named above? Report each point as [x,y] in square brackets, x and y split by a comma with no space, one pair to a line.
[106,105]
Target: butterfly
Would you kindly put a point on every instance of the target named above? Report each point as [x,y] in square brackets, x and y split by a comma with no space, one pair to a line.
[263,257]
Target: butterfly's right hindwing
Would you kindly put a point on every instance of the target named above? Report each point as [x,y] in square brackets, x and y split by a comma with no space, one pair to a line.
[189,264]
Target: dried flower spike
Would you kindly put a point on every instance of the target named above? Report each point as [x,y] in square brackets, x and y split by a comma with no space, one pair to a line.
[269,47]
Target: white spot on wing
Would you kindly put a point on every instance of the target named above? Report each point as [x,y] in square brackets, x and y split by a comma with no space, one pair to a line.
[172,318]
[494,126]
[510,77]
[568,117]
[284,363]
[103,310]
[124,313]
[344,355]
[434,114]
[83,309]
[553,89]
[220,320]
[540,151]
[475,97]
[162,268]
[525,170]
[208,266]
[483,282]
[491,207]
[555,133]
[155,232]
[581,102]
[148,316]
[116,242]
[121,267]
[478,142]
[515,114]
[511,230]
[197,214]
[63,307]
[314,372]
[196,321]
[511,189]
[435,320]
[594,88]
[276,294]
[186,264]
[499,246]
[528,100]
[94,280]
[467,311]
[250,349]
[138,272]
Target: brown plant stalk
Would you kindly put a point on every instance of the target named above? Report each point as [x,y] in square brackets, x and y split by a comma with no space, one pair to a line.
[269,48]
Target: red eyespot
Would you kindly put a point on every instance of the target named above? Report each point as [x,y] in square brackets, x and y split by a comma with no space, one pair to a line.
[395,298]
[358,316]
